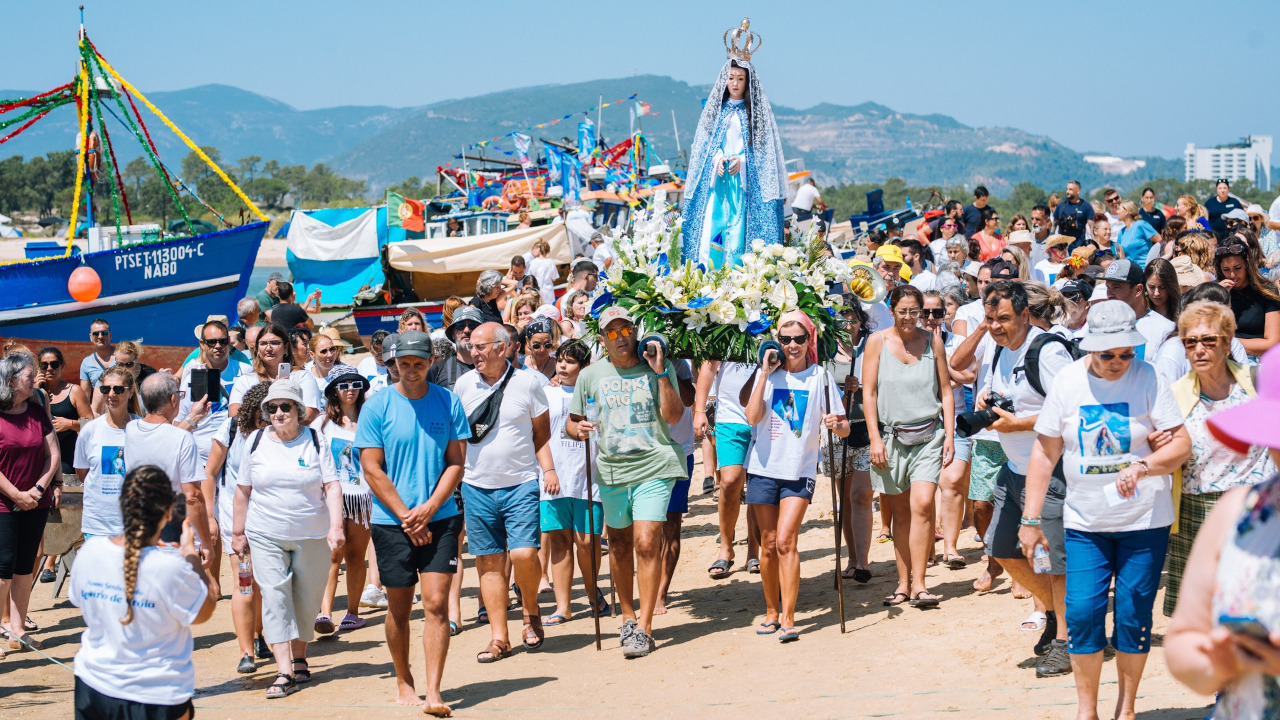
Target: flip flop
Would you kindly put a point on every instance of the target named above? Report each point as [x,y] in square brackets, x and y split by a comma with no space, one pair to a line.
[453,628]
[351,622]
[955,562]
[1037,619]
[925,599]
[788,635]
[883,537]
[552,621]
[722,566]
[862,575]
[893,601]
[768,628]
[753,566]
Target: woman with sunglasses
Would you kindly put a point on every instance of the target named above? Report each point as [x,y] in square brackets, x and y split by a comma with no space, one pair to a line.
[288,507]
[128,355]
[1254,300]
[954,482]
[537,341]
[98,455]
[68,405]
[1215,382]
[791,402]
[326,349]
[273,352]
[988,237]
[910,415]
[337,431]
[1097,420]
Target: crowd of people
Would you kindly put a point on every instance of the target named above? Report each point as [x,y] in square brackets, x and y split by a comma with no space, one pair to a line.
[1089,389]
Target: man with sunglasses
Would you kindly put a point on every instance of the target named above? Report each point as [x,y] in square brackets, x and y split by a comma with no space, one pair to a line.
[202,419]
[446,372]
[638,464]
[1126,282]
[103,356]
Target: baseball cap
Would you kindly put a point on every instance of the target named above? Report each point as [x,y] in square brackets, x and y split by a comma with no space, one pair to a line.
[284,389]
[1125,271]
[893,223]
[548,311]
[1077,286]
[614,312]
[1253,422]
[1255,209]
[1236,214]
[1021,236]
[904,272]
[389,347]
[596,237]
[466,313]
[1112,324]
[1004,270]
[890,253]
[279,276]
[1188,274]
[414,343]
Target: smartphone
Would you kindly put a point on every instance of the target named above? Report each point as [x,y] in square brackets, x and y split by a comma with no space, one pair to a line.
[205,383]
[1245,626]
[285,370]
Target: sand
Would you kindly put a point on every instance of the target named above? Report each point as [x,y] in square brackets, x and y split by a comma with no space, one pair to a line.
[967,659]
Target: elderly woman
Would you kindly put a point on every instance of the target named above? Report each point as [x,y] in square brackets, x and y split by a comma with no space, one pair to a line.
[1214,383]
[288,507]
[30,484]
[1097,421]
[488,291]
[1136,236]
[1253,299]
[1223,638]
[957,248]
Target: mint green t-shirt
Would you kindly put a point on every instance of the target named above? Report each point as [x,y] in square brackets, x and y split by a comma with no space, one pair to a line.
[635,442]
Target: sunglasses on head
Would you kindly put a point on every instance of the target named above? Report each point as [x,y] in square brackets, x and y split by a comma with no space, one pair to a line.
[356,385]
[1233,249]
[950,225]
[793,339]
[272,408]
[217,342]
[625,332]
[1109,356]
[52,365]
[114,389]
[1209,341]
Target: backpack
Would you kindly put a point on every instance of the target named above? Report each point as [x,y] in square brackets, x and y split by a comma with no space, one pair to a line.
[1031,361]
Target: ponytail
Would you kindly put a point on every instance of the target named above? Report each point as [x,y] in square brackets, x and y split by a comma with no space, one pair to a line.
[145,498]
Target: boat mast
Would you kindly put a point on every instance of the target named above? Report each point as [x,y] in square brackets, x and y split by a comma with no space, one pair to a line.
[88,127]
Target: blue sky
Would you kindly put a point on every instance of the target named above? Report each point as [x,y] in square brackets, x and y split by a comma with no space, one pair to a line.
[1131,78]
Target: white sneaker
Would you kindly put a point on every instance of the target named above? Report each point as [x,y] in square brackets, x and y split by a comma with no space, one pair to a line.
[373,597]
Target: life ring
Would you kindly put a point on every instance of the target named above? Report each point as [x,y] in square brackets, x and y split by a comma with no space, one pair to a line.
[491,202]
[93,157]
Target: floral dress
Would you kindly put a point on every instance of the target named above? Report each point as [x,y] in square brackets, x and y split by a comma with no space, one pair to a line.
[1248,585]
[1214,467]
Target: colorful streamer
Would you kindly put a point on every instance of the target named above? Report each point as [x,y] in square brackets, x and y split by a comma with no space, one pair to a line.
[539,126]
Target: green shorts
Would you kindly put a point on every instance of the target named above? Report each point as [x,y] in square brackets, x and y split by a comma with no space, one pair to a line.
[647,501]
[986,460]
[567,513]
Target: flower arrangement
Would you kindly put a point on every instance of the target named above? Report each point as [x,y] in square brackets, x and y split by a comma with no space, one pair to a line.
[724,313]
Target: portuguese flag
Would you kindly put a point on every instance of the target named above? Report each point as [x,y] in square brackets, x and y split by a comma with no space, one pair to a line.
[405,213]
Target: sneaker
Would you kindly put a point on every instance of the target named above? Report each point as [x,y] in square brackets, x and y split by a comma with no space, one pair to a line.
[1048,634]
[373,597]
[708,485]
[247,666]
[1055,662]
[639,644]
[261,648]
[628,629]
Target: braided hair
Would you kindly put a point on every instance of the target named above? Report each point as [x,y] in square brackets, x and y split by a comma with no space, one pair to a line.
[145,499]
[249,418]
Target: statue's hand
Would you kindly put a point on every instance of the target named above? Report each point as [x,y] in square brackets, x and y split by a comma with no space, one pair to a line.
[735,165]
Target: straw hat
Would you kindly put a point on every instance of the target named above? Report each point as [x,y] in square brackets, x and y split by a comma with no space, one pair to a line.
[1188,274]
[332,334]
[200,328]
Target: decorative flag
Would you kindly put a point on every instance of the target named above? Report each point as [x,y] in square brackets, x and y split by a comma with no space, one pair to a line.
[643,108]
[522,141]
[405,213]
[571,172]
[586,140]
[553,163]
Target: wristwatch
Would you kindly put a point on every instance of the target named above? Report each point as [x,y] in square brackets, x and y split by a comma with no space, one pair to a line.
[662,374]
[41,488]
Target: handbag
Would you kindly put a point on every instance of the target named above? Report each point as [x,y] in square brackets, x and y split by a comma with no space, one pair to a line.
[914,433]
[485,417]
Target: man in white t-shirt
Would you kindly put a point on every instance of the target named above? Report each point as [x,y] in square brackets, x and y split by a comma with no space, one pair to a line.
[154,440]
[806,196]
[913,257]
[1126,283]
[215,354]
[1009,324]
[601,254]
[500,488]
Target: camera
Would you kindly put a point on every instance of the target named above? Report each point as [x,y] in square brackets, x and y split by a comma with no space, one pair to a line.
[971,423]
[1067,224]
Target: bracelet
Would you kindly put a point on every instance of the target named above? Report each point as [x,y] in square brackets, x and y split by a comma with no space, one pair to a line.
[1146,469]
[549,470]
[697,412]
[1030,521]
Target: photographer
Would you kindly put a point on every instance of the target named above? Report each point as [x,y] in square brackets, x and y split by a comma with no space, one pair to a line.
[1008,321]
[1072,215]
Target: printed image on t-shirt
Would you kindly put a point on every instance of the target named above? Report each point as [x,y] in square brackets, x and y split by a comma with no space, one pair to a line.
[346,460]
[628,411]
[1104,438]
[791,407]
[111,469]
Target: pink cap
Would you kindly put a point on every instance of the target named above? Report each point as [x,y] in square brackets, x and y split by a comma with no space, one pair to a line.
[1253,422]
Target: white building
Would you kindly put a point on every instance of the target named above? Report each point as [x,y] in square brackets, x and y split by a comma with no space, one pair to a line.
[1250,158]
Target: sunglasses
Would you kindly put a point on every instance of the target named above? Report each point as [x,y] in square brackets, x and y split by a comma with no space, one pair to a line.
[850,323]
[100,333]
[466,325]
[625,332]
[1108,357]
[272,408]
[217,342]
[1233,249]
[1113,201]
[1209,341]
[934,313]
[953,226]
[540,346]
[356,385]
[114,389]
[129,364]
[793,339]
[54,365]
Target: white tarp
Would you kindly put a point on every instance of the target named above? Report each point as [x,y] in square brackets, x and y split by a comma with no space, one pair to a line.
[476,253]
[312,239]
[578,221]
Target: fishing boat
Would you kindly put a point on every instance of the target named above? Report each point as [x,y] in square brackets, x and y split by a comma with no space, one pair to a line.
[147,284]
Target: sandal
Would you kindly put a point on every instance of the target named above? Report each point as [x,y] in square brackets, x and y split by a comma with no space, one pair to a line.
[788,635]
[1036,620]
[768,628]
[305,675]
[280,690]
[924,599]
[720,568]
[351,622]
[862,575]
[753,566]
[23,642]
[324,625]
[534,627]
[955,562]
[553,621]
[482,617]
[496,650]
[893,601]
[30,625]
[883,537]
[601,605]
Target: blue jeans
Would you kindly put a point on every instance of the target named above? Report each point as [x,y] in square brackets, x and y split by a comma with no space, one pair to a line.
[1135,559]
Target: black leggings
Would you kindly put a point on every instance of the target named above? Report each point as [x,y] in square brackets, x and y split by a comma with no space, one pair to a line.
[20,534]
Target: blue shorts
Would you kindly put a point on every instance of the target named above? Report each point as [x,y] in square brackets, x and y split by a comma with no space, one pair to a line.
[646,501]
[762,490]
[680,491]
[503,519]
[1135,559]
[963,446]
[733,440]
[569,513]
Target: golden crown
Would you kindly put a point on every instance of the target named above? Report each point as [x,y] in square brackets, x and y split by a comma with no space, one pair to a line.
[740,43]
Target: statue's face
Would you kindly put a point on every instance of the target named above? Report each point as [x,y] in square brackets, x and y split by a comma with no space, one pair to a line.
[737,83]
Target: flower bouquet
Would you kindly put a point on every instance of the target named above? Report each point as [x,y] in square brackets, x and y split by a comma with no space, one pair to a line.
[724,313]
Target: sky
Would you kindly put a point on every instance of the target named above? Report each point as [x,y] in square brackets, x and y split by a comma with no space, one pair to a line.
[1128,78]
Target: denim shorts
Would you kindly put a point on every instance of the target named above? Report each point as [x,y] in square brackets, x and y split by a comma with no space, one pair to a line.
[1135,559]
[733,440]
[503,519]
[964,448]
[762,490]
[647,501]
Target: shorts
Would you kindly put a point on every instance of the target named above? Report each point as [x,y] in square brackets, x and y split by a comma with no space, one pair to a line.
[400,562]
[1135,559]
[848,459]
[680,491]
[763,490]
[569,513]
[646,502]
[93,705]
[20,536]
[502,519]
[964,448]
[733,440]
[1009,494]
[986,459]
[909,464]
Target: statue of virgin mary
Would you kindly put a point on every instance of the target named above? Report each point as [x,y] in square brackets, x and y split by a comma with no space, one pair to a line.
[737,180]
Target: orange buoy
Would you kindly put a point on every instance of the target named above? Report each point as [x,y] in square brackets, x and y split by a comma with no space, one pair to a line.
[84,284]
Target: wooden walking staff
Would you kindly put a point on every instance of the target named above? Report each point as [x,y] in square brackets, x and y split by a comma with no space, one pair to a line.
[835,507]
[595,542]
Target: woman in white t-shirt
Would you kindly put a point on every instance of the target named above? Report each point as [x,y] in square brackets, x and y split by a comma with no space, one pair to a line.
[1119,506]
[563,505]
[273,350]
[135,655]
[219,487]
[785,407]
[99,456]
[287,505]
[337,430]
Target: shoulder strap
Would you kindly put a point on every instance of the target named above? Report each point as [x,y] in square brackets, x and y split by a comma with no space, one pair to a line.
[222,474]
[1031,362]
[257,438]
[315,441]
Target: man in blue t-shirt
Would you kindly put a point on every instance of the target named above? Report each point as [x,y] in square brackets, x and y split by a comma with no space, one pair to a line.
[411,441]
[1072,215]
[972,214]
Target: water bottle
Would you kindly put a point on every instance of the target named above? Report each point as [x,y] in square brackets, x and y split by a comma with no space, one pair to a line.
[909,207]
[245,579]
[593,417]
[1040,563]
